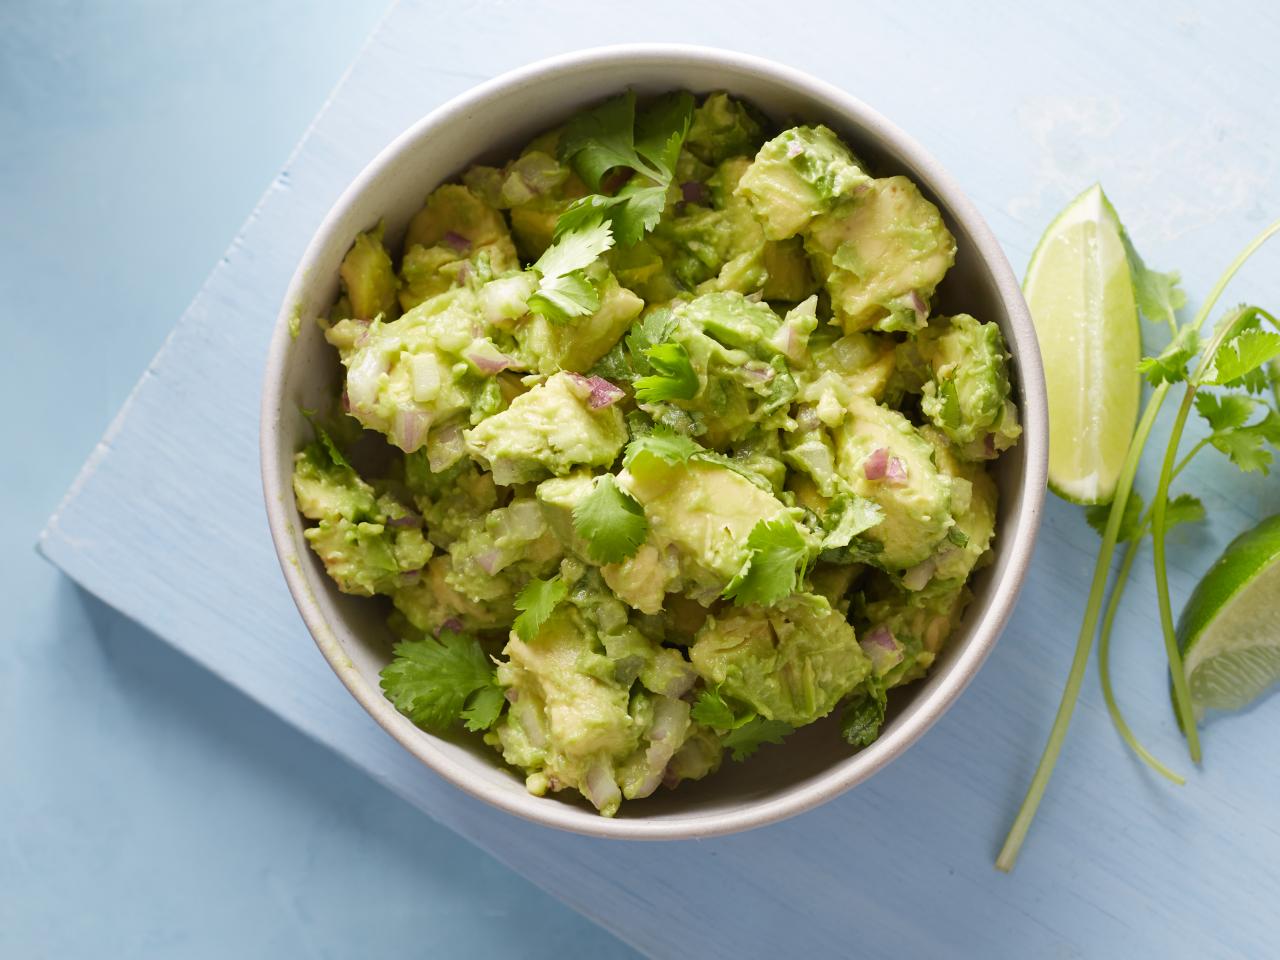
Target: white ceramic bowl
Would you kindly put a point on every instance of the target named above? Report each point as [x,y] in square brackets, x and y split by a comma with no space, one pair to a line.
[489,124]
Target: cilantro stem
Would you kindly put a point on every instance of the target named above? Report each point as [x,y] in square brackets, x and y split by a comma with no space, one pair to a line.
[1200,445]
[1104,661]
[1084,641]
[1159,508]
[1058,732]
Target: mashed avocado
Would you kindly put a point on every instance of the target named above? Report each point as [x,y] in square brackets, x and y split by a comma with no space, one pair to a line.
[652,444]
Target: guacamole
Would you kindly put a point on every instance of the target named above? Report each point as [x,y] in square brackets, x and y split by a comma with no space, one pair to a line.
[653,446]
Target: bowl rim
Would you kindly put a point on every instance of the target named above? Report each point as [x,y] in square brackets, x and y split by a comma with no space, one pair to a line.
[1018,536]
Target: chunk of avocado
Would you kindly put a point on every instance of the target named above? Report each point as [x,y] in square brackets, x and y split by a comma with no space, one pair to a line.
[368,277]
[548,346]
[790,278]
[705,510]
[882,252]
[453,209]
[914,495]
[722,127]
[973,504]
[547,432]
[429,603]
[968,388]
[796,176]
[792,662]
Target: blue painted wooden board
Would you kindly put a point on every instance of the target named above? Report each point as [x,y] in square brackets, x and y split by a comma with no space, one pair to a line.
[166,521]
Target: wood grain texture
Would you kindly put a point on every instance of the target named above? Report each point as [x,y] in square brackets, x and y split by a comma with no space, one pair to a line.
[167,524]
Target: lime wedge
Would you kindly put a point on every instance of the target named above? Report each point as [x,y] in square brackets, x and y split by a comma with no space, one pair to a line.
[1081,298]
[1229,630]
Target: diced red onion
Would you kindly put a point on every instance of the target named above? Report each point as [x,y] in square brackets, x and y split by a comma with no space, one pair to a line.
[759,372]
[512,694]
[896,472]
[876,466]
[921,308]
[918,577]
[453,625]
[445,448]
[487,363]
[490,561]
[456,240]
[464,272]
[669,716]
[409,577]
[526,714]
[507,472]
[881,648]
[408,520]
[790,342]
[794,149]
[599,787]
[524,520]
[409,429]
[880,636]
[807,418]
[682,684]
[989,445]
[346,401]
[694,192]
[603,393]
[581,385]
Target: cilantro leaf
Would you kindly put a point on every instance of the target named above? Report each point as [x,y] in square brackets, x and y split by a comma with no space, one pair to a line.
[1225,411]
[1170,366]
[847,516]
[663,444]
[661,128]
[864,714]
[536,601]
[484,708]
[564,290]
[562,298]
[711,710]
[1130,523]
[637,210]
[745,740]
[1183,508]
[1239,361]
[611,136]
[1158,295]
[675,378]
[429,680]
[777,559]
[574,251]
[597,140]
[744,730]
[611,522]
[1246,446]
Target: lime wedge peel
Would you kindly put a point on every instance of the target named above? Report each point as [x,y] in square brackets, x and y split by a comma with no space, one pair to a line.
[1080,294]
[1229,631]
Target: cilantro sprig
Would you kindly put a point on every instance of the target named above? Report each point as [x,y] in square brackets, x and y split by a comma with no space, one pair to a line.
[611,136]
[536,602]
[564,290]
[742,730]
[611,522]
[1235,360]
[778,557]
[436,682]
[675,378]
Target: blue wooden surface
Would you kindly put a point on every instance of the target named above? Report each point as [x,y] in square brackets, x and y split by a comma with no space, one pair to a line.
[1026,108]
[148,809]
